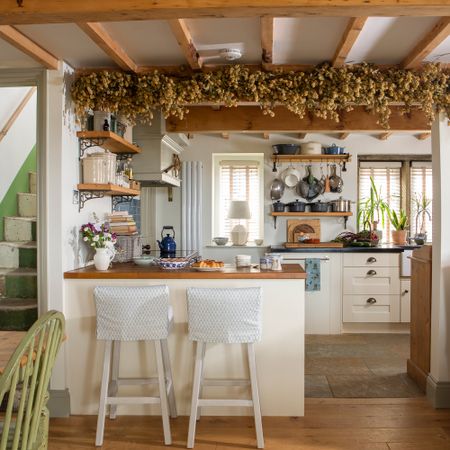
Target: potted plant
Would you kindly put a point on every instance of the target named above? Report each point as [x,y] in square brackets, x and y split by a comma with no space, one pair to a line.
[102,240]
[373,210]
[422,207]
[399,222]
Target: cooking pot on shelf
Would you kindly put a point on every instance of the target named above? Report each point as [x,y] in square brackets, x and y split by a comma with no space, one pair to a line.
[319,206]
[341,205]
[333,149]
[285,149]
[311,148]
[296,206]
[278,206]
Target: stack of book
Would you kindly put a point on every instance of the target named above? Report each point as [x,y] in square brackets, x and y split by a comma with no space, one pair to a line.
[122,223]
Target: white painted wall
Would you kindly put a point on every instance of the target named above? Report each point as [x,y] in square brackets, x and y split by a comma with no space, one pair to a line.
[21,138]
[203,146]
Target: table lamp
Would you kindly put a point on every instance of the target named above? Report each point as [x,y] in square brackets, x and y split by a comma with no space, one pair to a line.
[239,209]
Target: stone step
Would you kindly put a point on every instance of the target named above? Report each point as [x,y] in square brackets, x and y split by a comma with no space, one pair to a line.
[17,314]
[17,254]
[26,204]
[20,229]
[32,182]
[21,283]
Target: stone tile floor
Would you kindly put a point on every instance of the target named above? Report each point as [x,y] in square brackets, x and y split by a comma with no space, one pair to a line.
[358,365]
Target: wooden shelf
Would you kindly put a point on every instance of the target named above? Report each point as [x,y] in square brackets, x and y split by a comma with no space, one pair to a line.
[109,141]
[312,214]
[311,158]
[108,189]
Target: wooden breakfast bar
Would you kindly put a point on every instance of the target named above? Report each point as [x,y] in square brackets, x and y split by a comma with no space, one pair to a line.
[279,355]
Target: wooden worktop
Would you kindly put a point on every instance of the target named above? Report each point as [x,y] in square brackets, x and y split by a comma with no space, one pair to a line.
[132,271]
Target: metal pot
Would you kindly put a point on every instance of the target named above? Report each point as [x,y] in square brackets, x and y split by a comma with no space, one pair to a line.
[333,149]
[278,206]
[296,206]
[285,149]
[319,206]
[341,205]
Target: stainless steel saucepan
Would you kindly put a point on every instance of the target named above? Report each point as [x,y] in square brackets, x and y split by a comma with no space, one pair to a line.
[341,205]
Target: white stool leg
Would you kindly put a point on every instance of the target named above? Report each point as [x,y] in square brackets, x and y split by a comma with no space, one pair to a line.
[163,393]
[103,394]
[113,387]
[255,395]
[195,394]
[199,409]
[169,378]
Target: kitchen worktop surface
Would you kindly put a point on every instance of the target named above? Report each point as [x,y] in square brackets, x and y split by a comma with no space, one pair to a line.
[132,271]
[379,249]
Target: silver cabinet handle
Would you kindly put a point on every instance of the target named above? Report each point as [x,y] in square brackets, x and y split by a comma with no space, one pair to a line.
[371,301]
[371,272]
[371,260]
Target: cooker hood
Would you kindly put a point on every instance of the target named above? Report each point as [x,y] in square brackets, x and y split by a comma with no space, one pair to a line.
[158,164]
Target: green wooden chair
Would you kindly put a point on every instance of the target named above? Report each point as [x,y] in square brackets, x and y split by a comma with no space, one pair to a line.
[24,385]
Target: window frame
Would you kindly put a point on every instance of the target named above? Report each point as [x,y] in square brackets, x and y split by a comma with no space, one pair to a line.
[215,207]
[405,176]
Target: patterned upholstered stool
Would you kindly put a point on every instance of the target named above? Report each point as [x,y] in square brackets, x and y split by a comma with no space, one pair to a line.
[228,316]
[134,314]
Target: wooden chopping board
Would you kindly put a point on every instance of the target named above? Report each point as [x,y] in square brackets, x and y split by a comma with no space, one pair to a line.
[318,245]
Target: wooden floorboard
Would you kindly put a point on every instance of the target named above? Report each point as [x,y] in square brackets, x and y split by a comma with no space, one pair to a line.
[329,424]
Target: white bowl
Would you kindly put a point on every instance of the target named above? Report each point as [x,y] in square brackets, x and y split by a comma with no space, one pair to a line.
[144,260]
[259,241]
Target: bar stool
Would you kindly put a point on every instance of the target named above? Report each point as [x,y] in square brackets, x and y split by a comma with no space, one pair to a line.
[227,316]
[134,314]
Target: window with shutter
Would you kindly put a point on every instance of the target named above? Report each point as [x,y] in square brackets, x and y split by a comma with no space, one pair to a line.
[238,177]
[387,178]
[421,188]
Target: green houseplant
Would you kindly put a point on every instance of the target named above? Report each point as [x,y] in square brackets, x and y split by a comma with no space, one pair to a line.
[373,210]
[422,209]
[399,222]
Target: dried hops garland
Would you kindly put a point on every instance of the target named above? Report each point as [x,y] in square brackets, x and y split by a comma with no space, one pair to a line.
[325,91]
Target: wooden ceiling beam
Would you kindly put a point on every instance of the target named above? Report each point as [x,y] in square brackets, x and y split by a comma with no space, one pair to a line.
[56,11]
[184,39]
[266,135]
[343,136]
[385,136]
[250,119]
[351,33]
[426,45]
[423,136]
[301,135]
[225,136]
[267,40]
[29,47]
[98,33]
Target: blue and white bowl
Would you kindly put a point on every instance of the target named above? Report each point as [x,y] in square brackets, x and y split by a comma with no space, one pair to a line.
[170,264]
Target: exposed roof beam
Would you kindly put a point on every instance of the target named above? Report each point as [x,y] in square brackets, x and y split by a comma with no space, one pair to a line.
[439,32]
[202,119]
[225,136]
[184,39]
[97,32]
[27,46]
[343,136]
[266,135]
[351,33]
[301,135]
[423,136]
[267,40]
[56,11]
[385,136]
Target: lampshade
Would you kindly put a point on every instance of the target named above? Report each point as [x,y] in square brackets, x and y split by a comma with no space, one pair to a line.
[239,209]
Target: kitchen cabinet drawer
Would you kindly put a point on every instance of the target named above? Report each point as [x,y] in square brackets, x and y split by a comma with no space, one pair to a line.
[405,301]
[371,260]
[373,281]
[371,308]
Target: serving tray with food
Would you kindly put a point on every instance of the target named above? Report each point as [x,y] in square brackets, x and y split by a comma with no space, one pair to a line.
[208,265]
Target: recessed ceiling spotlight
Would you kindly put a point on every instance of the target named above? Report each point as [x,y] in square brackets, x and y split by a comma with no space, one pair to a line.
[230,54]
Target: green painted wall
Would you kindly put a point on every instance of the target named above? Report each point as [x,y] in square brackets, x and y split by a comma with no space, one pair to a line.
[8,206]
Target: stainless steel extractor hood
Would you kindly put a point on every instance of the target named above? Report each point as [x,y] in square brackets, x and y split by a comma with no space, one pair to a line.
[159,162]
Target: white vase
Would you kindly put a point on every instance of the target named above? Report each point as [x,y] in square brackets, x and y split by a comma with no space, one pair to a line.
[103,258]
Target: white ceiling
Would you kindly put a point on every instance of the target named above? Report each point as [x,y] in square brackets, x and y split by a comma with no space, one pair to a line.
[306,40]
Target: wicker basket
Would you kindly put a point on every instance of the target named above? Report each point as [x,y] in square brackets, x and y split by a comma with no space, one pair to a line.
[127,248]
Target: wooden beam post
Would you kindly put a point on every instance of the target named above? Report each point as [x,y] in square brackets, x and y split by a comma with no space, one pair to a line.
[425,46]
[184,39]
[29,47]
[267,40]
[354,27]
[98,33]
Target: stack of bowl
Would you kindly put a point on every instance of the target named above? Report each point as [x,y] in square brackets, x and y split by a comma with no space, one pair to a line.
[243,260]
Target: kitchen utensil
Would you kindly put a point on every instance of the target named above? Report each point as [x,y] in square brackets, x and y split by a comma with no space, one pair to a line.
[290,177]
[278,206]
[340,205]
[274,167]
[333,149]
[319,206]
[303,187]
[285,149]
[339,189]
[344,167]
[296,206]
[311,148]
[335,181]
[277,189]
[220,240]
[314,185]
[327,180]
[167,245]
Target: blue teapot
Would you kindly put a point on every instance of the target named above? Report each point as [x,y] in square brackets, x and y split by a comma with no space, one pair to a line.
[167,245]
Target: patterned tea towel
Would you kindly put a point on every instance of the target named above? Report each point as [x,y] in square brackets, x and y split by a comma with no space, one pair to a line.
[312,267]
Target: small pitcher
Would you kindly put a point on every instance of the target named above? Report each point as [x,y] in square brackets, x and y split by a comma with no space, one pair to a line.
[103,257]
